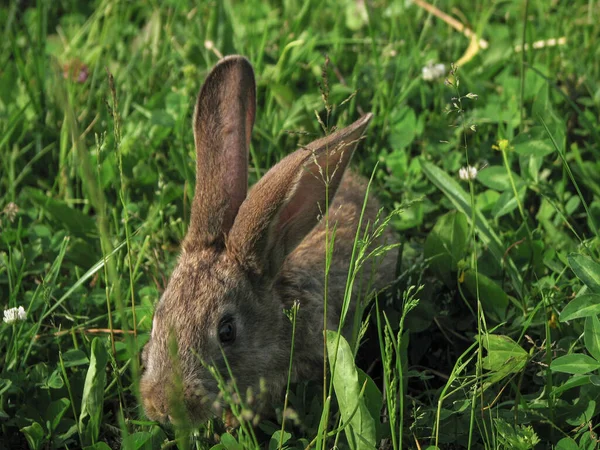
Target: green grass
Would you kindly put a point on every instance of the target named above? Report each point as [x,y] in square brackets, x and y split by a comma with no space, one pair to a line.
[492,338]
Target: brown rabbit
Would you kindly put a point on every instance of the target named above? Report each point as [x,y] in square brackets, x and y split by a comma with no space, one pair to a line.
[248,256]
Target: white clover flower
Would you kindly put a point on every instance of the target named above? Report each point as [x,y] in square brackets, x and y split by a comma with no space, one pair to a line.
[11,210]
[467,173]
[14,314]
[432,71]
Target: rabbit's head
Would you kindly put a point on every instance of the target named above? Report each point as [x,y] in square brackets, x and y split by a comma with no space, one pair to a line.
[221,306]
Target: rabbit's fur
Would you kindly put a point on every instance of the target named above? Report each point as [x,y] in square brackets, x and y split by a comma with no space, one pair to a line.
[247,257]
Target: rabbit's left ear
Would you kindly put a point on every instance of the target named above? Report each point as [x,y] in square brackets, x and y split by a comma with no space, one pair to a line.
[223,121]
[286,204]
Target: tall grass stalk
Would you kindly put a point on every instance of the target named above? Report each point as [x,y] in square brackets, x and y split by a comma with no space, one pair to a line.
[481,325]
[393,369]
[71,397]
[329,243]
[98,201]
[292,316]
[131,341]
[522,68]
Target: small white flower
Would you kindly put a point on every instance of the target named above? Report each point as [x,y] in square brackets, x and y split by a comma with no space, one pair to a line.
[467,173]
[432,71]
[13,314]
[11,210]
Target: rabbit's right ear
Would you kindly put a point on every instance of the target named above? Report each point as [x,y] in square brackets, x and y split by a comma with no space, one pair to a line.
[289,200]
[223,121]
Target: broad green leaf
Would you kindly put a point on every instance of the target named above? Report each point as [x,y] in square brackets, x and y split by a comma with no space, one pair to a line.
[591,336]
[541,103]
[583,408]
[573,382]
[70,429]
[229,442]
[55,380]
[462,201]
[75,357]
[582,306]
[34,434]
[575,364]
[504,356]
[486,200]
[446,245]
[493,299]
[588,439]
[567,444]
[145,174]
[535,141]
[507,202]
[161,118]
[373,399]
[532,166]
[572,205]
[56,411]
[534,148]
[276,437]
[587,270]
[397,163]
[496,177]
[158,434]
[360,426]
[98,446]
[73,220]
[504,349]
[403,130]
[136,440]
[92,401]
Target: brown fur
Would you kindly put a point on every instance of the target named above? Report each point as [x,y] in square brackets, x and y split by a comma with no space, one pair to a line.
[250,257]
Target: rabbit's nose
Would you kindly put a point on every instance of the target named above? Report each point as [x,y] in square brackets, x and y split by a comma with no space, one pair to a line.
[154,398]
[157,410]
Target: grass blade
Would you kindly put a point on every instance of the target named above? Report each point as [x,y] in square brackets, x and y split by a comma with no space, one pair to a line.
[92,402]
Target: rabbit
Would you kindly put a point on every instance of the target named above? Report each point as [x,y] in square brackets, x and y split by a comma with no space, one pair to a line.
[248,256]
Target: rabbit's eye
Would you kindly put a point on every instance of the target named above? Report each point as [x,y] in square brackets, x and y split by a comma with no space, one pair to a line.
[227,331]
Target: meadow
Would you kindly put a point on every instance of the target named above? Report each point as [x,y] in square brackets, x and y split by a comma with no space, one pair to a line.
[484,148]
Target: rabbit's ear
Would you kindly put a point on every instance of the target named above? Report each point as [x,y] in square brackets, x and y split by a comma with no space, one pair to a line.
[223,120]
[290,199]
